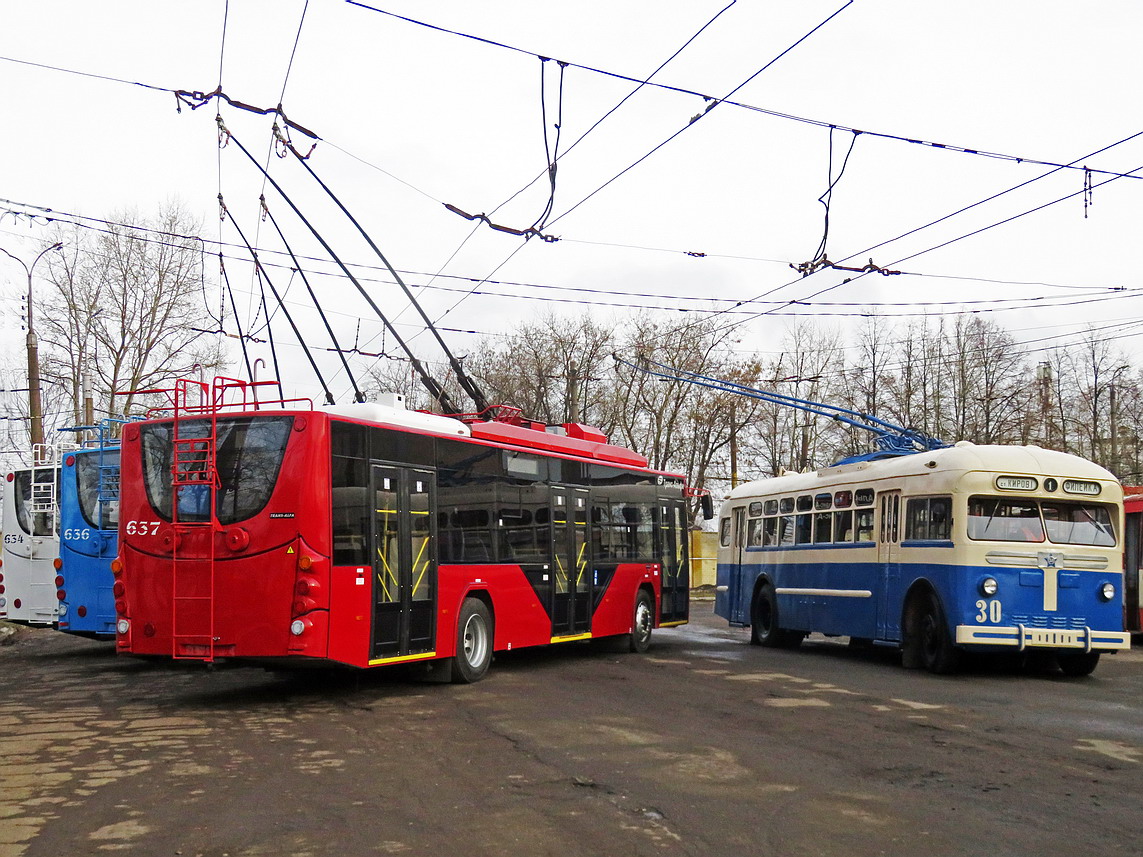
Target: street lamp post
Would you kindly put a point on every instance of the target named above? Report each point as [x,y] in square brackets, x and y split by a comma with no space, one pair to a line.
[35,406]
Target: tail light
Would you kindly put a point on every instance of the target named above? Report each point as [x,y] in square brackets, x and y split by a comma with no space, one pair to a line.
[310,581]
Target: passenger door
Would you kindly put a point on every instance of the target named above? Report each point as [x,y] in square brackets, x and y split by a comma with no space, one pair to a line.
[571,595]
[888,563]
[675,573]
[404,561]
[739,600]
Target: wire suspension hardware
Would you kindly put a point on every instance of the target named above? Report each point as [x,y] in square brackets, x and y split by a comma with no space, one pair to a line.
[467,384]
[820,259]
[891,440]
[431,384]
[530,232]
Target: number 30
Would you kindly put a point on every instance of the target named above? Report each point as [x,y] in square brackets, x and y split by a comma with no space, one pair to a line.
[988,611]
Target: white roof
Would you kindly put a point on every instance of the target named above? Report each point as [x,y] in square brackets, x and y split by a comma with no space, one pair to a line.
[962,457]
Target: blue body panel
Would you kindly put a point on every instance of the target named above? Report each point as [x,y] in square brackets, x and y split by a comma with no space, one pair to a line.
[874,593]
[86,552]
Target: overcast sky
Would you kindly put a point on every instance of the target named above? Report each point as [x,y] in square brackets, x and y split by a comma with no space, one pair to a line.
[412,118]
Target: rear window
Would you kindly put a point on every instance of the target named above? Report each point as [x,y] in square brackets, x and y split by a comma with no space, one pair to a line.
[249,452]
[97,485]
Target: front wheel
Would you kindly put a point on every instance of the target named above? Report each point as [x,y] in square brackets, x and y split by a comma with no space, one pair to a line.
[927,640]
[473,642]
[642,621]
[1077,663]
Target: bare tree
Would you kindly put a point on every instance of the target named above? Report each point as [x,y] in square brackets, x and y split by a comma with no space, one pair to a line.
[127,310]
[556,369]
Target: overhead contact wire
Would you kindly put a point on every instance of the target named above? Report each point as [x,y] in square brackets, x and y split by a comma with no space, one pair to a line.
[358,396]
[430,383]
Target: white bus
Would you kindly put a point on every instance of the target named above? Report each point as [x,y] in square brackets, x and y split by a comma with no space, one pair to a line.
[28,576]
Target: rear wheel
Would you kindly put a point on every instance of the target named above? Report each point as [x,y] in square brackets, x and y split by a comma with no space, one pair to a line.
[642,621]
[1077,663]
[473,642]
[764,627]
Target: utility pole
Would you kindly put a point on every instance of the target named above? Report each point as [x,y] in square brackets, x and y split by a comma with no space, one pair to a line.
[35,406]
[733,447]
[573,392]
[88,404]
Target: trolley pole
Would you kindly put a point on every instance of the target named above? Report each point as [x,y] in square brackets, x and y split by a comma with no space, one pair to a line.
[35,406]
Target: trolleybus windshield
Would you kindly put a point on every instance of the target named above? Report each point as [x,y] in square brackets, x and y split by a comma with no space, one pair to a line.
[248,456]
[1028,520]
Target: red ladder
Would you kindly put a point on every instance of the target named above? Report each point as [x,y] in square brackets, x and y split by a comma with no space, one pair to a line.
[194,484]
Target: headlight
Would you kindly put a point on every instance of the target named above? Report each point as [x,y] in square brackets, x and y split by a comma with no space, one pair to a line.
[122,626]
[1107,591]
[988,587]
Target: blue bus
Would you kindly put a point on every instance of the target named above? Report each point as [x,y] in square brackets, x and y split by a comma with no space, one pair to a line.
[88,537]
[966,548]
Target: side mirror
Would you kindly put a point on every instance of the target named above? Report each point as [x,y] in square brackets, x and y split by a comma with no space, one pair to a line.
[707,504]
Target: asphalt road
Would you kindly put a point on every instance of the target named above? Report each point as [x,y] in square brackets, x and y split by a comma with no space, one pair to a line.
[704,746]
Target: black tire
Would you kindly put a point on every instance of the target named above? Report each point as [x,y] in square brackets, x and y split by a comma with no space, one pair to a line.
[473,642]
[642,621]
[1076,664]
[764,627]
[928,643]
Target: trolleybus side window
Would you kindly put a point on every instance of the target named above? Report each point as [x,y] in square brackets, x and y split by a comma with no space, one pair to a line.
[754,533]
[843,526]
[350,507]
[786,530]
[1004,520]
[724,532]
[803,532]
[823,527]
[928,518]
[770,533]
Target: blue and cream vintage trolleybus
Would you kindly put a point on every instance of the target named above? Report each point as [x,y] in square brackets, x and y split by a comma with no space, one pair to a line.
[948,550]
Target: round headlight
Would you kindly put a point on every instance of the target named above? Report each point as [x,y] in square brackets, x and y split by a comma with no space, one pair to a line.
[122,626]
[296,627]
[988,587]
[1107,591]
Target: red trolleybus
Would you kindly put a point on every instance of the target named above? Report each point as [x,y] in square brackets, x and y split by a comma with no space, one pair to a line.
[368,535]
[1133,559]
